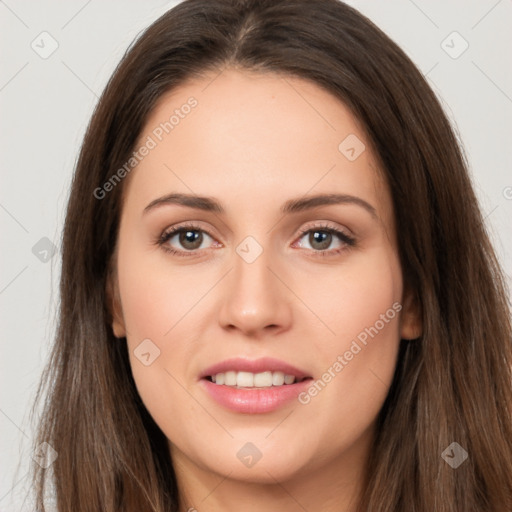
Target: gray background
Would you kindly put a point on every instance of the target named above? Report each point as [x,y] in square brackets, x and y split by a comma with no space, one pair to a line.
[46,104]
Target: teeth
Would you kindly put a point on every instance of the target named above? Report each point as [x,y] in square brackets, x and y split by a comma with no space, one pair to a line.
[263,380]
[250,380]
[244,379]
[289,379]
[230,379]
[277,379]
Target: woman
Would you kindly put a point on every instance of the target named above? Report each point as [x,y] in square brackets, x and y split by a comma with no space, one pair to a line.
[257,369]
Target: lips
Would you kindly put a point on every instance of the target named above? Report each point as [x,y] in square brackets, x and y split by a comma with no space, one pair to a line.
[253,387]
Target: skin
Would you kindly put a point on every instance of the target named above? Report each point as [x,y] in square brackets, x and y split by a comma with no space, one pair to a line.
[253,142]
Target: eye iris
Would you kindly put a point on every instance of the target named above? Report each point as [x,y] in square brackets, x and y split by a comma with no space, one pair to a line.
[324,238]
[191,237]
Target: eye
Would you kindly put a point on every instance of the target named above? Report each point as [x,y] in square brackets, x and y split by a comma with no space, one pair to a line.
[189,237]
[321,237]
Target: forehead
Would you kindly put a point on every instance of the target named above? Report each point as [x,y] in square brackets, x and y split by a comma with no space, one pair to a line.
[246,135]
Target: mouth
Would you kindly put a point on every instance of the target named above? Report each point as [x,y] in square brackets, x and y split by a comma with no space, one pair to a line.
[254,386]
[249,380]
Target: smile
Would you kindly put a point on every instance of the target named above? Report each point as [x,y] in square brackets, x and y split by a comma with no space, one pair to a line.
[253,386]
[244,380]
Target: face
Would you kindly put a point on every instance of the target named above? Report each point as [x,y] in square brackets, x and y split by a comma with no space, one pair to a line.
[259,282]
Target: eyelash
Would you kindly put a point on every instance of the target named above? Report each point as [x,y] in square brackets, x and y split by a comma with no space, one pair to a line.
[349,241]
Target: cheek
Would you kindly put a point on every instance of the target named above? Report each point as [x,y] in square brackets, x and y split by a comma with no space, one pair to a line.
[155,303]
[354,299]
[157,324]
[156,296]
[358,361]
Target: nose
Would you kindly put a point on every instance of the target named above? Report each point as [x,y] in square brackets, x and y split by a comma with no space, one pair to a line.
[256,300]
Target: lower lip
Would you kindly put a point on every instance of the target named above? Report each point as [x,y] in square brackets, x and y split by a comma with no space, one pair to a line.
[254,400]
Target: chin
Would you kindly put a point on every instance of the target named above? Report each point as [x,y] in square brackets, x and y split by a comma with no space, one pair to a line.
[263,472]
[245,462]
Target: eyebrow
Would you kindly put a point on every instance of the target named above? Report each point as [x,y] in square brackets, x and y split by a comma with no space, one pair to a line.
[209,204]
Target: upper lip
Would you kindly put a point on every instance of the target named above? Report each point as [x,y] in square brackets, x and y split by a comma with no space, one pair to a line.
[264,364]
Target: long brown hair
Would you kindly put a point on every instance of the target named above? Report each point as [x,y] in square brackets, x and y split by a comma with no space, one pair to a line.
[453,384]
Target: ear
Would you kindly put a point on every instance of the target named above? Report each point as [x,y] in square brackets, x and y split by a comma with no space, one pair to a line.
[411,324]
[114,305]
